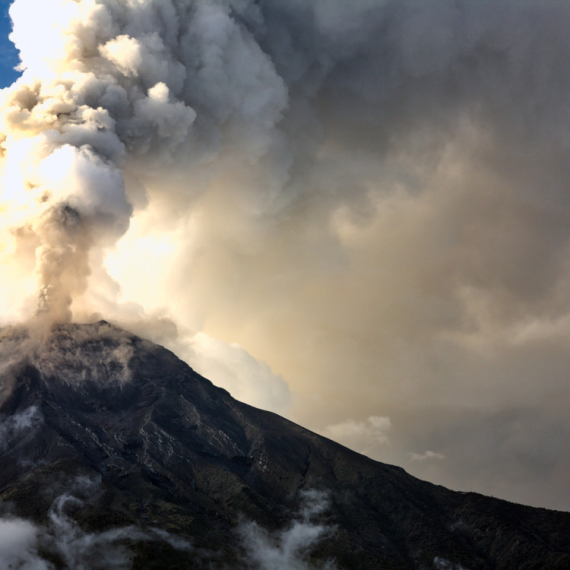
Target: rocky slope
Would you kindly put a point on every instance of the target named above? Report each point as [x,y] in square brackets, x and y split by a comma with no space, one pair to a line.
[133,438]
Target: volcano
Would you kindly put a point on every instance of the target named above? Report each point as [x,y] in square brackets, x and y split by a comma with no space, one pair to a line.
[132,438]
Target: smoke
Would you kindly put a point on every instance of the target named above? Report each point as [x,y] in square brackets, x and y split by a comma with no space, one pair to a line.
[19,424]
[110,91]
[443,564]
[61,543]
[99,353]
[290,548]
[369,198]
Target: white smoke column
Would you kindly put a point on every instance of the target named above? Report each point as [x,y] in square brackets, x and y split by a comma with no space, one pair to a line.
[62,188]
[106,84]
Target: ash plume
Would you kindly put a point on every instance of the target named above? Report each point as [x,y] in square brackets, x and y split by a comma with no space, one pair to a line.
[118,94]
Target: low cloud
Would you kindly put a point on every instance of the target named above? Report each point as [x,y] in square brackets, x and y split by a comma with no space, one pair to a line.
[246,378]
[290,548]
[12,427]
[425,456]
[362,436]
[19,546]
[443,564]
[61,543]
[28,546]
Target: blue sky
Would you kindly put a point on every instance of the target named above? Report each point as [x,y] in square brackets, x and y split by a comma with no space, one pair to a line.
[8,53]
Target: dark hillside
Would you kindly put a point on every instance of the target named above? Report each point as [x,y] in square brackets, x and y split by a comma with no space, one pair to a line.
[168,450]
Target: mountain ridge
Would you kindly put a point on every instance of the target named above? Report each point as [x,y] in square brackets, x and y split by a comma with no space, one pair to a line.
[171,451]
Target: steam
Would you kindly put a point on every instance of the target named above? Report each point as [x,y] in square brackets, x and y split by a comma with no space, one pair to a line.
[290,548]
[63,544]
[443,564]
[28,546]
[19,424]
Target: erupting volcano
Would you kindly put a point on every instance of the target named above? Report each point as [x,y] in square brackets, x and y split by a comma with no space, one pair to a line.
[352,214]
[154,458]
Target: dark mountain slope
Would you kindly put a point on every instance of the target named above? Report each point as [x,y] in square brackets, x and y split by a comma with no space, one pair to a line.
[172,451]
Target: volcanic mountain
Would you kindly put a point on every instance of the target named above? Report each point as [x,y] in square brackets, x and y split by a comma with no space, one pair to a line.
[113,438]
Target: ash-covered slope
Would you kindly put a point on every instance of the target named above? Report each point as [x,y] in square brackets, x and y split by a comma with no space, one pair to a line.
[168,450]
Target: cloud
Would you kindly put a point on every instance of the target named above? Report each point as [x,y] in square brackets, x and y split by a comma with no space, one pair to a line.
[289,548]
[246,378]
[61,542]
[428,455]
[18,546]
[20,424]
[443,564]
[362,436]
[28,546]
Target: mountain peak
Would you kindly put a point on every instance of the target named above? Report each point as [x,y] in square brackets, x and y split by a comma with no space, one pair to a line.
[172,452]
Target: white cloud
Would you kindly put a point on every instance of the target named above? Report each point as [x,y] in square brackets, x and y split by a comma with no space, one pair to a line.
[27,546]
[19,424]
[428,455]
[289,548]
[246,378]
[18,546]
[362,436]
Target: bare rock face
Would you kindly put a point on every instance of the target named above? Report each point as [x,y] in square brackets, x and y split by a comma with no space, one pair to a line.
[209,482]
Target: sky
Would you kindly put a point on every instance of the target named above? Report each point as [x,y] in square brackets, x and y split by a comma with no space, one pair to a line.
[8,53]
[353,214]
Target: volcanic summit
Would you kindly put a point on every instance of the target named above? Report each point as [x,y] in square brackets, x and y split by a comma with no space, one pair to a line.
[121,441]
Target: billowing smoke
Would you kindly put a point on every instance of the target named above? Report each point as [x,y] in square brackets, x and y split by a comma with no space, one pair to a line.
[369,197]
[90,96]
[261,98]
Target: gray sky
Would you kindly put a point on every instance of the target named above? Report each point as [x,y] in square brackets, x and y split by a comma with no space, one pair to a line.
[353,213]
